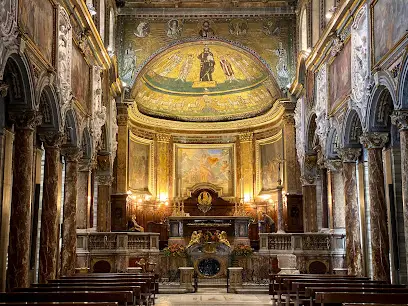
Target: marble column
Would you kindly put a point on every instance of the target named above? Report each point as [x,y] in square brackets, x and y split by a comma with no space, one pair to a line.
[352,209]
[247,168]
[69,238]
[291,169]
[122,150]
[281,227]
[83,195]
[20,219]
[163,169]
[48,255]
[104,204]
[374,142]
[400,119]
[335,167]
[309,194]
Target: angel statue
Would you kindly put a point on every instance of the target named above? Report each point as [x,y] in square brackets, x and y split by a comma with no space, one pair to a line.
[223,238]
[195,238]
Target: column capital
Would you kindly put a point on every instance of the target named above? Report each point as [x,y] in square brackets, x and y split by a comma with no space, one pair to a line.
[288,118]
[104,179]
[3,89]
[71,153]
[400,119]
[334,165]
[374,140]
[308,180]
[28,119]
[245,137]
[122,114]
[349,155]
[163,138]
[52,139]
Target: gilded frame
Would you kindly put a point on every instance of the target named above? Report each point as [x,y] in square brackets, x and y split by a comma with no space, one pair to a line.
[258,166]
[230,146]
[375,64]
[151,172]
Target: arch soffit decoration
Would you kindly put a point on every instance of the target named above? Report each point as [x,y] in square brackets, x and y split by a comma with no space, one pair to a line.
[380,98]
[351,130]
[71,128]
[403,85]
[20,67]
[86,144]
[299,84]
[332,144]
[311,135]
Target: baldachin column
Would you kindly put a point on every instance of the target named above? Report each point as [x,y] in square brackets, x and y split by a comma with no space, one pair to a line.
[374,142]
[49,216]
[69,238]
[20,219]
[352,209]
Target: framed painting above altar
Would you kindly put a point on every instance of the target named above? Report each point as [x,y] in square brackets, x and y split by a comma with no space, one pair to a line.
[195,164]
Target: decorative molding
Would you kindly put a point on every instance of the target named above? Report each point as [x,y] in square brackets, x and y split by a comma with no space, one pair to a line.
[52,139]
[300,136]
[359,61]
[349,155]
[337,45]
[9,42]
[321,107]
[400,119]
[98,117]
[374,140]
[165,138]
[246,137]
[64,60]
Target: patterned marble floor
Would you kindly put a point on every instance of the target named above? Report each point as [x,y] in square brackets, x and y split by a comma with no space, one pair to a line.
[212,297]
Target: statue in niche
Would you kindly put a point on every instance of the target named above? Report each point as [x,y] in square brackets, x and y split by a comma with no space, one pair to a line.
[207,64]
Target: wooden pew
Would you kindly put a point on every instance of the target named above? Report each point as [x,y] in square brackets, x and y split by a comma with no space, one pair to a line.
[300,287]
[337,298]
[137,297]
[124,298]
[59,304]
[311,292]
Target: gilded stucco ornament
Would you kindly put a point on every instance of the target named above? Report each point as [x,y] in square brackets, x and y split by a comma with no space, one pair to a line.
[321,107]
[359,61]
[8,31]
[64,62]
[99,110]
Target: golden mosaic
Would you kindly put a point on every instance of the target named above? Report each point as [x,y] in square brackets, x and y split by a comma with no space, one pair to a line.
[205,80]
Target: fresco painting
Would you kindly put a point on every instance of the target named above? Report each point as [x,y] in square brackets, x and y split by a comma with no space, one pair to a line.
[37,20]
[205,165]
[80,78]
[139,154]
[270,154]
[340,76]
[389,25]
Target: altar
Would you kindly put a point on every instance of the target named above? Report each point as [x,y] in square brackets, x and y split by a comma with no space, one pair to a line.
[182,227]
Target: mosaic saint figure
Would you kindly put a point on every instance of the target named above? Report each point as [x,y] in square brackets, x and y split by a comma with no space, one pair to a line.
[129,63]
[206,31]
[142,30]
[185,68]
[174,28]
[227,68]
[207,65]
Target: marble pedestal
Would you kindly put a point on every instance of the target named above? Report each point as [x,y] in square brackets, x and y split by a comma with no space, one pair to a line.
[186,278]
[287,264]
[235,279]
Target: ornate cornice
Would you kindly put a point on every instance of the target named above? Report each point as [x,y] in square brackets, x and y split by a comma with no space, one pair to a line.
[349,155]
[374,140]
[400,119]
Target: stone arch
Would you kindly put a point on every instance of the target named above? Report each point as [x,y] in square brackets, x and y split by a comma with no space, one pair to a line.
[380,107]
[403,86]
[311,136]
[352,129]
[71,128]
[303,22]
[18,77]
[332,144]
[86,144]
[49,108]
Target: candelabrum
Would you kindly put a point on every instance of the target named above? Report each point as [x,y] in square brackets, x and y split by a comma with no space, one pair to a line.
[178,207]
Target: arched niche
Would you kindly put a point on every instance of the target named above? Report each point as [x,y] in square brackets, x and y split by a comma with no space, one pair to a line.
[312,139]
[50,110]
[86,144]
[332,144]
[71,129]
[353,129]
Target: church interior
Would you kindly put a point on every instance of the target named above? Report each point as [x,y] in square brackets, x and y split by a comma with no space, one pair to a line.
[226,147]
